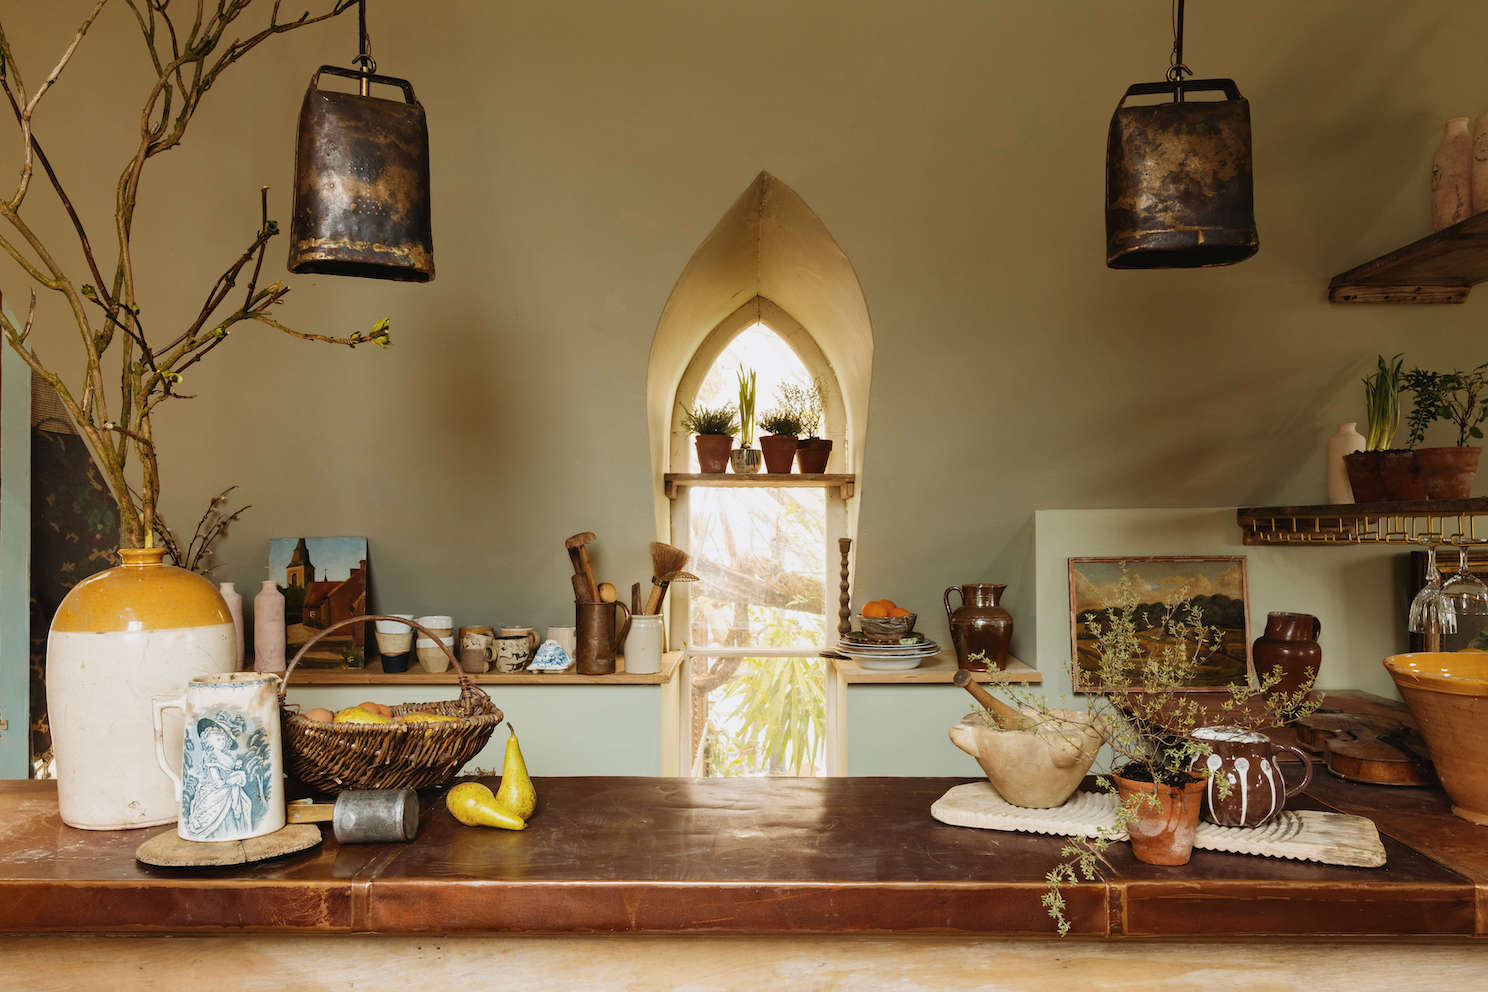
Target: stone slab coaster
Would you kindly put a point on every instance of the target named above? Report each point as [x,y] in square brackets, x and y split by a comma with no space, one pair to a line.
[1302,835]
[168,850]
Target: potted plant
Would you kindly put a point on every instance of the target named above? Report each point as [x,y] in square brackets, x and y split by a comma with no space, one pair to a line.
[1366,469]
[746,458]
[1158,770]
[715,430]
[807,401]
[1460,399]
[782,433]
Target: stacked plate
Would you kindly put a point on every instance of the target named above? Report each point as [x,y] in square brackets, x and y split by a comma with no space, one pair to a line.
[874,656]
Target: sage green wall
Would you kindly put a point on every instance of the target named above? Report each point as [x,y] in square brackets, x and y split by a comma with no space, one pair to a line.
[583,149]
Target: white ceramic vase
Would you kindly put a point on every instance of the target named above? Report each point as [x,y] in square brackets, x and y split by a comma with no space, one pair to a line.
[1451,175]
[643,646]
[1345,441]
[234,601]
[120,638]
[268,629]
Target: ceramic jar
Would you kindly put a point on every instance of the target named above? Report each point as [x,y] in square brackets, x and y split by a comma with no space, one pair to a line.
[231,785]
[1290,641]
[979,625]
[1247,762]
[1451,175]
[120,638]
[643,646]
[268,628]
[234,601]
[1345,441]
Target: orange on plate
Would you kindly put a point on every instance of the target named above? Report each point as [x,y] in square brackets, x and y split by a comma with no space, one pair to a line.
[898,611]
[875,610]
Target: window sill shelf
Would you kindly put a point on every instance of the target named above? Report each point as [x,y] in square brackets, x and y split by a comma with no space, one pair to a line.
[675,482]
[938,670]
[374,675]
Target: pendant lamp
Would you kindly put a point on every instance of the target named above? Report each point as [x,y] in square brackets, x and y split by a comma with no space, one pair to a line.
[361,203]
[1179,191]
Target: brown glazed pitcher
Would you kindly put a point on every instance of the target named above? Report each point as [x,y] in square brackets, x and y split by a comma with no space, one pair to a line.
[598,640]
[1247,761]
[979,625]
[1291,642]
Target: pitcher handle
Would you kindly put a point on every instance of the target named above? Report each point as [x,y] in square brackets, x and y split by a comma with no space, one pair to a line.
[1317,628]
[1306,766]
[946,598]
[158,706]
[624,628]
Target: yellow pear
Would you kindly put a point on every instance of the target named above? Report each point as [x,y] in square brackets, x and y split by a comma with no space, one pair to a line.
[355,714]
[516,792]
[475,806]
[419,716]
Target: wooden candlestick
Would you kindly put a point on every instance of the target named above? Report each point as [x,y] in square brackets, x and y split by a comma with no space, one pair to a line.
[844,608]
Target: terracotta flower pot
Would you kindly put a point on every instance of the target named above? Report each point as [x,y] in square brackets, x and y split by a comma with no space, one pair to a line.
[780,452]
[812,455]
[1448,473]
[713,452]
[1401,475]
[1164,835]
[1364,476]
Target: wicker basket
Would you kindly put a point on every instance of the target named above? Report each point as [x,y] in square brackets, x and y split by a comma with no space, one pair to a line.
[334,757]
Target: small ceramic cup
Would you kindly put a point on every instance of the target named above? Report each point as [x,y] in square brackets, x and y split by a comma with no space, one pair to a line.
[477,649]
[514,652]
[431,656]
[394,643]
[566,634]
[439,626]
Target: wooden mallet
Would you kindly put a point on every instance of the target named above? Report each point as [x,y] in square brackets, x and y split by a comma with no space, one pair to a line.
[580,559]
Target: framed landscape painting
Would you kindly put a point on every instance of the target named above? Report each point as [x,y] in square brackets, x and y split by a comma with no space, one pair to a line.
[1217,586]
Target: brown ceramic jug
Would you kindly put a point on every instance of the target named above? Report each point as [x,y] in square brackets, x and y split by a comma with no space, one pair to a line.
[979,625]
[1247,761]
[1290,641]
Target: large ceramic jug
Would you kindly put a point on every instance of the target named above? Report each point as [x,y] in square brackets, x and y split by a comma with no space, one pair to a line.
[1290,642]
[141,629]
[979,625]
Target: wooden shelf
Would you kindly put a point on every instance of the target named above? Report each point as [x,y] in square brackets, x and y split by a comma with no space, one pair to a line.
[1439,268]
[374,675]
[1398,523]
[933,671]
[675,482]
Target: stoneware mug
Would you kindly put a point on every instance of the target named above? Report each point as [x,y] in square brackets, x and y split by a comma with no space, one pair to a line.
[477,649]
[514,651]
[1247,761]
[566,634]
[231,785]
[394,643]
[431,656]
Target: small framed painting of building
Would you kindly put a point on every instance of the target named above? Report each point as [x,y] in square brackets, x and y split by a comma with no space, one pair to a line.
[324,581]
[1145,591]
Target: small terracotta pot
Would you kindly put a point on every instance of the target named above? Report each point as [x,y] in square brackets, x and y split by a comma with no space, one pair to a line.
[812,455]
[713,452]
[745,461]
[1364,476]
[1448,473]
[1401,475]
[1162,836]
[779,451]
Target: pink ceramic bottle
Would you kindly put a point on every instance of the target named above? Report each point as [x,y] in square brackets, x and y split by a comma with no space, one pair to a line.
[268,629]
[234,601]
[1451,176]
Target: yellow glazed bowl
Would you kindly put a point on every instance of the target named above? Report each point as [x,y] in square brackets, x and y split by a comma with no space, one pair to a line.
[1447,693]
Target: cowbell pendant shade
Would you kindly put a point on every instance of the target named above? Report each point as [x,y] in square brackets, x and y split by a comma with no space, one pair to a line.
[1179,186]
[361,193]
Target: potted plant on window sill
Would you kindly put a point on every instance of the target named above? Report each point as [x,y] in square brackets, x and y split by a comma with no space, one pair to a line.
[782,435]
[715,430]
[1380,472]
[807,401]
[746,458]
[1460,399]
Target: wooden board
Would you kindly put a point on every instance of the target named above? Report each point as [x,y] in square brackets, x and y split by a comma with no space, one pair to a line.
[1439,268]
[1302,835]
[169,850]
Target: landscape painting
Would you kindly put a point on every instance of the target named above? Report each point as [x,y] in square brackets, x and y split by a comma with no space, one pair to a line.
[1217,586]
[324,581]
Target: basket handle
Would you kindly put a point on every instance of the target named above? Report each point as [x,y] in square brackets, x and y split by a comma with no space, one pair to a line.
[465,682]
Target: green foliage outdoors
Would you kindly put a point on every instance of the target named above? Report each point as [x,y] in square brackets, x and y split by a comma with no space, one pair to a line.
[703,420]
[1458,398]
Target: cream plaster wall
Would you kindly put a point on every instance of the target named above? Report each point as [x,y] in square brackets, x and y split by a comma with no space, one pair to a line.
[583,149]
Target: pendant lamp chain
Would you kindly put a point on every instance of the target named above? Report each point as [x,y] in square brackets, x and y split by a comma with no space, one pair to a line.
[364,46]
[1177,68]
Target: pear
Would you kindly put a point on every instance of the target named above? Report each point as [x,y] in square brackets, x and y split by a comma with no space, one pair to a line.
[476,806]
[355,714]
[516,792]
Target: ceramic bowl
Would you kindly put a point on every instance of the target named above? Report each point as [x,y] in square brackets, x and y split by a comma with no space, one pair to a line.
[1036,769]
[1448,695]
[887,629]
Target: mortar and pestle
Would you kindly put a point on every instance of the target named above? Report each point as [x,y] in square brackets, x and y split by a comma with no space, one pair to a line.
[1033,759]
[364,816]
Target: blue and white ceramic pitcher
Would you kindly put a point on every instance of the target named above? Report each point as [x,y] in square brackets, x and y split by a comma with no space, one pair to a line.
[231,785]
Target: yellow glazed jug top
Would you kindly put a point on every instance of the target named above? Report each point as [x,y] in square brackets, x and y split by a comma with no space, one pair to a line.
[143,594]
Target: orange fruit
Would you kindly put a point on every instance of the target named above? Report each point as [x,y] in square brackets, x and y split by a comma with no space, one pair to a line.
[874,610]
[898,611]
[888,604]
